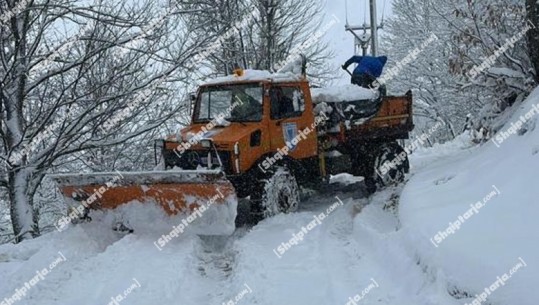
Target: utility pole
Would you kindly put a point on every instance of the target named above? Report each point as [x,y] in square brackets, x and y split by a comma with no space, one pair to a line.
[374,28]
[363,39]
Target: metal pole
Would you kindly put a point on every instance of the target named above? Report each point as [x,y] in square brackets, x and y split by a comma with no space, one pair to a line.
[365,47]
[374,28]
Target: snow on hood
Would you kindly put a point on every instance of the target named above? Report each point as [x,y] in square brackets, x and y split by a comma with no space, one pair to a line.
[231,134]
[256,75]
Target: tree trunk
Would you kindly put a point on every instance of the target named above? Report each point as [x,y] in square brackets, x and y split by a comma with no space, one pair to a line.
[23,217]
[269,36]
[532,9]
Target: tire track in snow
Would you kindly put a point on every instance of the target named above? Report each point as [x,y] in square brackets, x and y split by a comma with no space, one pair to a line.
[390,259]
[340,254]
[307,272]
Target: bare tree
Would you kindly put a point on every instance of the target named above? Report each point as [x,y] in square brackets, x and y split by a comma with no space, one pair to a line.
[283,28]
[472,73]
[263,34]
[532,11]
[436,92]
[79,77]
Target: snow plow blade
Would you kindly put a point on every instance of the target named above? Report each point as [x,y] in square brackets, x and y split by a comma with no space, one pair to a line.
[207,193]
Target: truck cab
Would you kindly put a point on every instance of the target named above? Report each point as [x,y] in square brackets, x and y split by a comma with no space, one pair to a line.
[239,126]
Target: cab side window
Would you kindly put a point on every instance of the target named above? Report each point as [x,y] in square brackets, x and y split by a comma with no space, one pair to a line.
[286,102]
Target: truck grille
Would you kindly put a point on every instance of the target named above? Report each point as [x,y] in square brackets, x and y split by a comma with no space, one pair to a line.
[192,159]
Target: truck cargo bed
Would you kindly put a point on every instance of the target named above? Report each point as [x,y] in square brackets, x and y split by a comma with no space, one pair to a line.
[391,118]
[394,119]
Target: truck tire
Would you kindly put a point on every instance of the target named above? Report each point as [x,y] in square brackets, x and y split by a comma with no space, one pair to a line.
[390,153]
[363,165]
[277,193]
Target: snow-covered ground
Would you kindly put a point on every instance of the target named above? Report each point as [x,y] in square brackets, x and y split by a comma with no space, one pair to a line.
[487,251]
[348,253]
[340,248]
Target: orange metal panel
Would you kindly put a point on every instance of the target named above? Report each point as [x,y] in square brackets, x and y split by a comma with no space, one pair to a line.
[173,198]
[308,145]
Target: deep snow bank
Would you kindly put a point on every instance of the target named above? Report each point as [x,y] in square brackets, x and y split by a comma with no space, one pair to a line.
[473,214]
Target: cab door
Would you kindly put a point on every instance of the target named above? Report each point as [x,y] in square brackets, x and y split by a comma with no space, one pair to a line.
[292,121]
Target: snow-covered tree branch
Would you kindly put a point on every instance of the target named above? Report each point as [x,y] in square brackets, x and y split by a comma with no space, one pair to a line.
[80,78]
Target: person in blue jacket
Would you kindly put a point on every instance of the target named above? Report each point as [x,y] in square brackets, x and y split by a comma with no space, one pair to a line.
[368,69]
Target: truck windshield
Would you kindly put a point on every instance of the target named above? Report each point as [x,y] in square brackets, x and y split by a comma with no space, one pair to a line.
[236,103]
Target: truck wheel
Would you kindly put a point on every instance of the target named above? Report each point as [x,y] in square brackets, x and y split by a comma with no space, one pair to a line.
[275,194]
[391,165]
[363,165]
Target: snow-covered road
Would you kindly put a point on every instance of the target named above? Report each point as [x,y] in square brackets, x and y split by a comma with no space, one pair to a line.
[339,258]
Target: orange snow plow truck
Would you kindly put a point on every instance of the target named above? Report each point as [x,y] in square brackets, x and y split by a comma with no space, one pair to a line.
[258,135]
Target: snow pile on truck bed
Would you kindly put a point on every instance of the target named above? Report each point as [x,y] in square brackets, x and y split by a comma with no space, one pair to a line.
[345,93]
[491,245]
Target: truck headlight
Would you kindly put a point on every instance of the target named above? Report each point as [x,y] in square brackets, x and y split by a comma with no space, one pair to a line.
[237,154]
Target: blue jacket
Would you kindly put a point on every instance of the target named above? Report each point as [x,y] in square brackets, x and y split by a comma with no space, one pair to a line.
[369,65]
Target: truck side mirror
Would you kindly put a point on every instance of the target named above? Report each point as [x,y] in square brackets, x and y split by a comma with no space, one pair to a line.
[192,100]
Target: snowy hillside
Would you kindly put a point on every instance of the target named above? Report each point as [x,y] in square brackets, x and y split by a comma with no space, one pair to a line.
[473,247]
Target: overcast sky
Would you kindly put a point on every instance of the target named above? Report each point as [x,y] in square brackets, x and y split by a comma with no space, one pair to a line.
[340,41]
